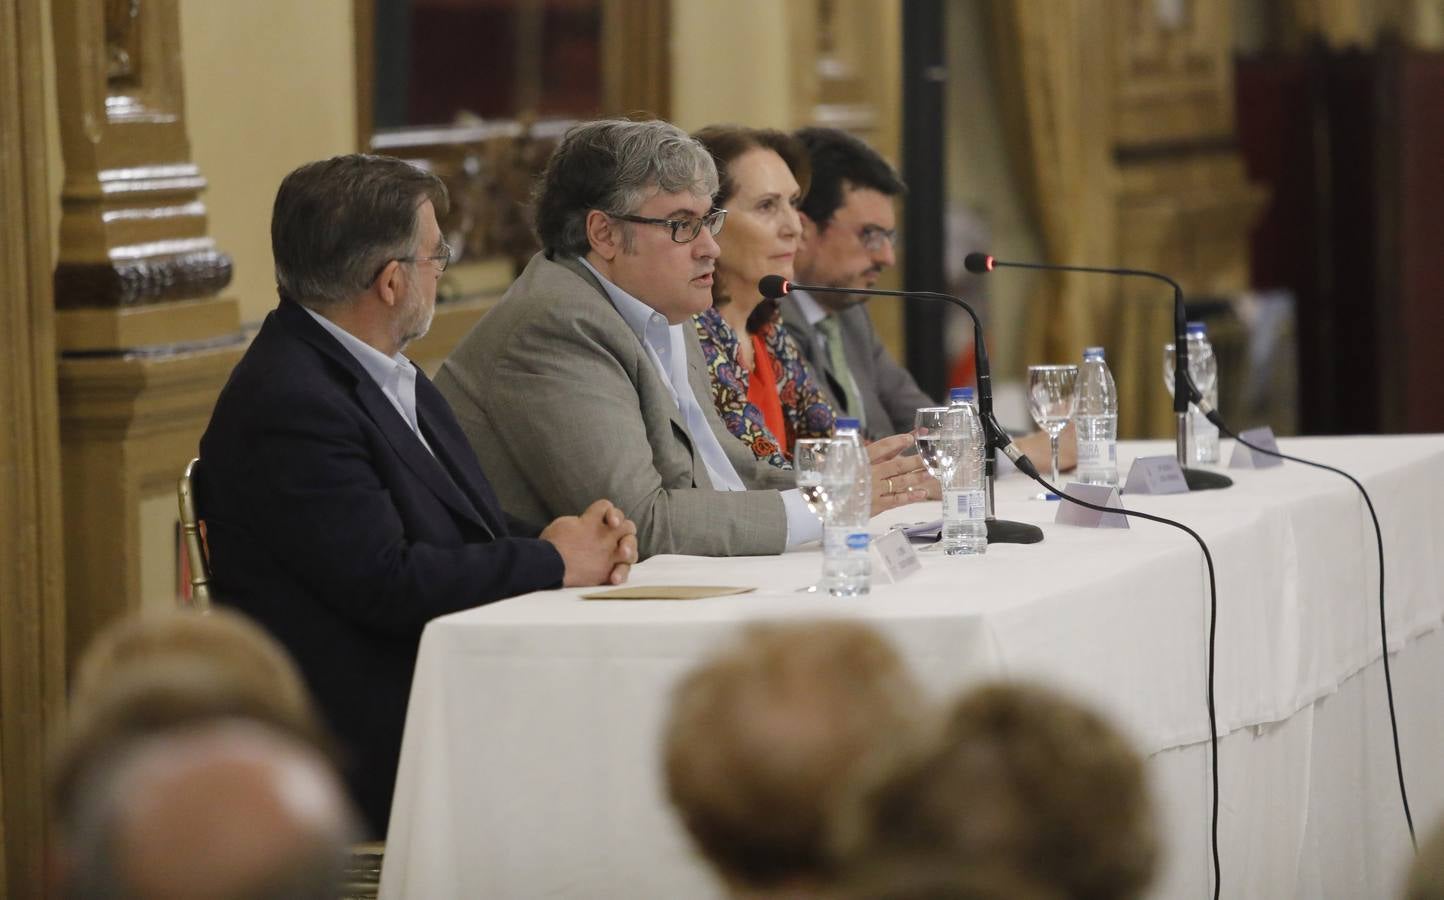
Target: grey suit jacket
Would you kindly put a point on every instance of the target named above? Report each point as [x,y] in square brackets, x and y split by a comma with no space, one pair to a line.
[563,407]
[890,396]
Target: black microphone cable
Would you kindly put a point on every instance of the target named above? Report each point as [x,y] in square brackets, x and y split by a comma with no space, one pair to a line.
[1025,465]
[1214,417]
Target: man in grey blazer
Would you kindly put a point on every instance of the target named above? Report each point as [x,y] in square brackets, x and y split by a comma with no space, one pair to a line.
[587,380]
[848,231]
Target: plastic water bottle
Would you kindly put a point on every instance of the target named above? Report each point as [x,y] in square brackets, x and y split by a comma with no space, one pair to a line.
[965,526]
[846,568]
[1096,418]
[1203,369]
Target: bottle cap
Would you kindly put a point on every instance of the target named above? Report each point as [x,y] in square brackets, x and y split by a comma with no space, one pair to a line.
[849,425]
[960,394]
[1197,328]
[1092,353]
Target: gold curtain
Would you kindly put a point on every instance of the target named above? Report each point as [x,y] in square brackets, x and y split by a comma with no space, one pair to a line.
[1052,62]
[636,57]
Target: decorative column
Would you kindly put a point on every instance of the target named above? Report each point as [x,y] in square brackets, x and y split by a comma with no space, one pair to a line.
[145,341]
[32,593]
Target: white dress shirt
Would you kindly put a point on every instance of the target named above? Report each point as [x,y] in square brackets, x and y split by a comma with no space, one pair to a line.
[395,375]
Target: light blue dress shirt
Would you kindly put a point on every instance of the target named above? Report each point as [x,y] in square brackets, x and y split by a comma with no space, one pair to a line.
[395,375]
[665,345]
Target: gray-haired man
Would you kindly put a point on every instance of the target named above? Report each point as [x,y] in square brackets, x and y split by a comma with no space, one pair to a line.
[585,382]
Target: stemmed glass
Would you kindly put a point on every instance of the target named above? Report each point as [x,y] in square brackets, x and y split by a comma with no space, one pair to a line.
[1052,396]
[809,464]
[1201,371]
[941,444]
[809,460]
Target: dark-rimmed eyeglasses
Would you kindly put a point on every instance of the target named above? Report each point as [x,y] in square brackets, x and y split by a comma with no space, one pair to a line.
[442,258]
[684,231]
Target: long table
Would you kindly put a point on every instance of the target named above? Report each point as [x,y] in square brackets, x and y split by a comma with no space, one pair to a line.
[530,765]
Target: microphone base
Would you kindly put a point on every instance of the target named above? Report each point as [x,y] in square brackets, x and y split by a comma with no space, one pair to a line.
[1002,531]
[1202,480]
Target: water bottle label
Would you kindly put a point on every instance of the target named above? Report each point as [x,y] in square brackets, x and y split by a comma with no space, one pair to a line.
[844,540]
[964,505]
[1098,454]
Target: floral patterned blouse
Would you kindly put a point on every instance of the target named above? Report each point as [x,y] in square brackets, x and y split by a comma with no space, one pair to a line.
[805,412]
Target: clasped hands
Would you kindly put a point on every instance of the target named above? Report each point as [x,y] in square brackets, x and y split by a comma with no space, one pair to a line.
[597,547]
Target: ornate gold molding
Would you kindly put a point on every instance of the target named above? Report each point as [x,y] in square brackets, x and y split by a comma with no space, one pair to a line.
[145,342]
[133,229]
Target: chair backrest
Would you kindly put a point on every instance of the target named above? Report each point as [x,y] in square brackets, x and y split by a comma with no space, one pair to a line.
[194,540]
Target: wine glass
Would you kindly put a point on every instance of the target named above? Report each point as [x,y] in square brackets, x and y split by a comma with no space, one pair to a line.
[1202,371]
[941,442]
[809,456]
[814,463]
[1052,395]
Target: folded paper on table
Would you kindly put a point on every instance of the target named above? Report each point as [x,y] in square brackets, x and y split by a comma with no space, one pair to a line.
[922,532]
[667,592]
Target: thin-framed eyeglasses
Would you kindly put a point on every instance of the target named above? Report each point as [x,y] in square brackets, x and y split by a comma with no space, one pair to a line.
[875,237]
[442,258]
[684,231]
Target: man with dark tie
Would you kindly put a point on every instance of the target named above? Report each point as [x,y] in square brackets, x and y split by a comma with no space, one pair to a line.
[344,509]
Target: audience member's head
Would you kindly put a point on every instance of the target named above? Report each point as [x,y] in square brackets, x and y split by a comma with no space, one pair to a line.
[225,808]
[355,228]
[224,640]
[848,220]
[762,176]
[1014,779]
[1426,878]
[904,877]
[634,199]
[148,675]
[764,735]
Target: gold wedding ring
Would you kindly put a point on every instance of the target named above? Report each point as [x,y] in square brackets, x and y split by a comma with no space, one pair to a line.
[889,486]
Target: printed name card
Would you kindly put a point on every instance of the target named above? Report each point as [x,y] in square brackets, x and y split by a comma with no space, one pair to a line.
[1248,458]
[894,556]
[922,532]
[1155,475]
[1098,494]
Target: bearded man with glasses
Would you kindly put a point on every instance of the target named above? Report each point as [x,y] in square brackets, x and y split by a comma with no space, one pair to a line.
[587,379]
[343,507]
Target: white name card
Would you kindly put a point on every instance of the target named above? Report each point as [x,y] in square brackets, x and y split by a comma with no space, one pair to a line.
[1099,494]
[1248,458]
[1155,475]
[894,556]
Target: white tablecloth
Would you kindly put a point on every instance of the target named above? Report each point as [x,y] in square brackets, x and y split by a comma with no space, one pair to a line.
[530,763]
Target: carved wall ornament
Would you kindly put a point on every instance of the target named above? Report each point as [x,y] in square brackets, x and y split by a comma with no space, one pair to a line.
[122,28]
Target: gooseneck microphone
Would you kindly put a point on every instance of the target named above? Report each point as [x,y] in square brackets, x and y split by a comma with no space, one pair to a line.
[1184,390]
[1000,531]
[981,263]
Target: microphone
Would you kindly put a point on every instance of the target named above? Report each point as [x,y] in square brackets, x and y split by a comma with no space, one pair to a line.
[773,287]
[1184,390]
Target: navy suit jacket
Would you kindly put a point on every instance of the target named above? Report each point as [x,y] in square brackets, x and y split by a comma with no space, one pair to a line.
[330,524]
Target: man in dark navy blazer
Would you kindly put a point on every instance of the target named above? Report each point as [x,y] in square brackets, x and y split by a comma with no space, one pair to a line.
[344,508]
